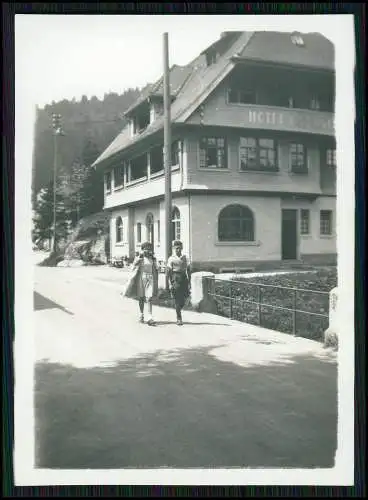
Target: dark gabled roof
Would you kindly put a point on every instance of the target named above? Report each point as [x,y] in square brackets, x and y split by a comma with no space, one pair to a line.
[277,47]
[201,80]
[191,85]
[178,76]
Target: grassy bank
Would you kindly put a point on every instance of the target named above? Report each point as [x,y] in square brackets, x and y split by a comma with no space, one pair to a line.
[307,299]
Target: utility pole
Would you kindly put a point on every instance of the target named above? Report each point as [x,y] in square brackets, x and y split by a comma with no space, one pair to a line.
[167,148]
[56,125]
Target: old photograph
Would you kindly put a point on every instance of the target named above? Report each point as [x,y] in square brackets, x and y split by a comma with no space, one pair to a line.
[184,249]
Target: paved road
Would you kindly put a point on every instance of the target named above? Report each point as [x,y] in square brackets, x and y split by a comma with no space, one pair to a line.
[112,393]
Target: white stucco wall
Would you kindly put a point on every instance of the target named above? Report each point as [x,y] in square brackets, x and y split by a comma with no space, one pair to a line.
[119,249]
[314,243]
[267,219]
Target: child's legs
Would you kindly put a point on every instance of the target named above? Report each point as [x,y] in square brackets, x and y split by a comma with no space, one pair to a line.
[149,307]
[141,304]
[179,304]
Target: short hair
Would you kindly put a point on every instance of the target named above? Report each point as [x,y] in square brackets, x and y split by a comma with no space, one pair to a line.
[177,243]
[146,246]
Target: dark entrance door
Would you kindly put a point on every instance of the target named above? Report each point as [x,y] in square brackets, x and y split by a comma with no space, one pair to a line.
[289,238]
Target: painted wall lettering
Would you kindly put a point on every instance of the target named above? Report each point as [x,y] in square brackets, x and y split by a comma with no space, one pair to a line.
[295,120]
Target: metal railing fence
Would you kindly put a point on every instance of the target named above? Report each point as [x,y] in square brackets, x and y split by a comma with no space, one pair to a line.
[276,307]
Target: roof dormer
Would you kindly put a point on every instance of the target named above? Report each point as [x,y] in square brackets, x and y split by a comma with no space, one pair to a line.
[297,39]
[222,45]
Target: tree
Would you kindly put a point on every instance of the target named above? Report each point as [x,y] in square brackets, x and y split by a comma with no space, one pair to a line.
[43,214]
[93,184]
[88,124]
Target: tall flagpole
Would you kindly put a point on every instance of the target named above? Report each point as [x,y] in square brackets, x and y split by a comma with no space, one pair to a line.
[167,148]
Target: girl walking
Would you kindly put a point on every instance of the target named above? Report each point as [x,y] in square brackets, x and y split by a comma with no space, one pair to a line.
[146,270]
[179,278]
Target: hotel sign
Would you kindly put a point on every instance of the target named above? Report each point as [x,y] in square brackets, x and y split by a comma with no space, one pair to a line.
[298,121]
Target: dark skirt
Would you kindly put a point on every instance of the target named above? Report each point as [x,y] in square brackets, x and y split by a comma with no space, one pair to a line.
[180,288]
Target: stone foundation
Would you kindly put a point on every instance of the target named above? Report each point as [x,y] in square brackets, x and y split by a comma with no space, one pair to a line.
[200,299]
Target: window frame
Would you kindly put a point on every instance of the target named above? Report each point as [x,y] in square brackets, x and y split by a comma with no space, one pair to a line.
[221,220]
[139,233]
[298,170]
[119,230]
[303,231]
[122,176]
[238,92]
[176,223]
[322,233]
[108,185]
[211,167]
[331,150]
[297,40]
[158,231]
[314,99]
[150,230]
[258,168]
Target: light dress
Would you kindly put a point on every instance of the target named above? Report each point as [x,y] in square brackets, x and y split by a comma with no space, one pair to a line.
[145,278]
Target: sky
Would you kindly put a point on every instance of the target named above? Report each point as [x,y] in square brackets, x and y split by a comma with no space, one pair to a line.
[65,56]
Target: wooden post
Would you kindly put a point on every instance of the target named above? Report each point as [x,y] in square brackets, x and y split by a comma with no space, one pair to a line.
[167,150]
[54,200]
[231,301]
[294,313]
[259,305]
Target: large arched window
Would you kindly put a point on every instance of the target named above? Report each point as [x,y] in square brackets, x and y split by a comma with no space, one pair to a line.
[236,223]
[119,229]
[175,220]
[149,227]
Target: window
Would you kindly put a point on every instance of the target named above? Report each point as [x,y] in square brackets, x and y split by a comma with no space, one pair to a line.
[236,223]
[108,182]
[304,221]
[242,96]
[175,220]
[331,157]
[298,158]
[314,104]
[297,40]
[139,232]
[119,230]
[138,168]
[142,119]
[156,159]
[175,153]
[212,153]
[119,176]
[211,58]
[149,227]
[257,154]
[325,222]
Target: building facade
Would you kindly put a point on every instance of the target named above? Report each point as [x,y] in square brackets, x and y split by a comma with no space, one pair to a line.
[253,156]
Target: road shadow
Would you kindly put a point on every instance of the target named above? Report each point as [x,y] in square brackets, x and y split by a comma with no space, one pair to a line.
[186,409]
[40,302]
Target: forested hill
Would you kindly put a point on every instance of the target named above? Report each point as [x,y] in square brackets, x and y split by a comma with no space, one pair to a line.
[89,125]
